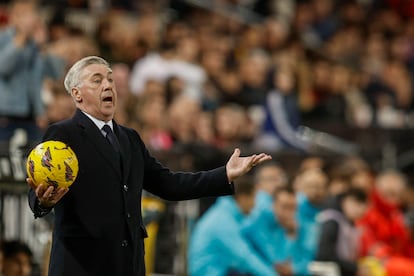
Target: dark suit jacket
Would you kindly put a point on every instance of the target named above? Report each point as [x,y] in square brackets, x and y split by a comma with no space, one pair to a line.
[98,228]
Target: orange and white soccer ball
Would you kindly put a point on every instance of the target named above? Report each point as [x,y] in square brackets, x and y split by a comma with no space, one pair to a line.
[52,163]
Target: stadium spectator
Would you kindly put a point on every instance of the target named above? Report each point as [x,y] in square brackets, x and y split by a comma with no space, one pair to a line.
[277,236]
[230,126]
[338,240]
[384,229]
[253,71]
[182,114]
[384,232]
[204,128]
[312,188]
[229,86]
[23,71]
[151,111]
[268,178]
[154,66]
[281,124]
[186,67]
[17,258]
[325,22]
[217,246]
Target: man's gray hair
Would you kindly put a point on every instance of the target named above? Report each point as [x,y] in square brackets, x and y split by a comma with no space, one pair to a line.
[72,78]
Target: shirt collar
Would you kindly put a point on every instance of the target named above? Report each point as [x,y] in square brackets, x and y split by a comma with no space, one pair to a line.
[98,122]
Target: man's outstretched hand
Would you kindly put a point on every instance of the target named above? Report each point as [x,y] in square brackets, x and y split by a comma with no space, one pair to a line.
[48,196]
[238,166]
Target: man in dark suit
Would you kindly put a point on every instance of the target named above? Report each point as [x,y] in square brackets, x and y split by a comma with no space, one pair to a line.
[98,227]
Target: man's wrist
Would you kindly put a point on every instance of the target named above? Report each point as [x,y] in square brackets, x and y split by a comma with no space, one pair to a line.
[230,179]
[40,209]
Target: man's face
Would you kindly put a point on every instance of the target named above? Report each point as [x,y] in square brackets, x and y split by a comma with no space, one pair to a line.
[353,209]
[18,265]
[391,188]
[271,178]
[96,94]
[284,208]
[314,185]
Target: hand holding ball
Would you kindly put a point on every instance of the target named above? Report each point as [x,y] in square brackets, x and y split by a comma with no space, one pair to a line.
[52,163]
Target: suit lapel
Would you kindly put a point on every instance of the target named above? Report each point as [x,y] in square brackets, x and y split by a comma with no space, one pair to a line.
[125,149]
[94,134]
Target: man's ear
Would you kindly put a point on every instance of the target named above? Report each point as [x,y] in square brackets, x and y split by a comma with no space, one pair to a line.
[76,95]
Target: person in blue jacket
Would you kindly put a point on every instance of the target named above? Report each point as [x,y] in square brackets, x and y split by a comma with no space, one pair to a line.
[312,185]
[276,235]
[217,246]
[24,66]
[268,177]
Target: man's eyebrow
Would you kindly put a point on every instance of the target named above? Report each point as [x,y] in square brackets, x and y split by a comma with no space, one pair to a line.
[101,75]
[96,75]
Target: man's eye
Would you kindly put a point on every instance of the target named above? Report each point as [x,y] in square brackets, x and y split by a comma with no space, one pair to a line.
[110,80]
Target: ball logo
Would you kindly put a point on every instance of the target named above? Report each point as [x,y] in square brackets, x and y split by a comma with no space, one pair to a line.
[68,172]
[46,159]
[31,167]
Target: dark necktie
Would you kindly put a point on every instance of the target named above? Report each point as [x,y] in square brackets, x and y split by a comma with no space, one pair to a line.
[110,135]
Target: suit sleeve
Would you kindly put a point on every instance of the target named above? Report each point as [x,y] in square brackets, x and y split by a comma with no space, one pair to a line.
[175,186]
[35,206]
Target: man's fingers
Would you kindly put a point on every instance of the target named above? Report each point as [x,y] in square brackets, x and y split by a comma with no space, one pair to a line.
[49,192]
[40,190]
[260,158]
[265,158]
[61,192]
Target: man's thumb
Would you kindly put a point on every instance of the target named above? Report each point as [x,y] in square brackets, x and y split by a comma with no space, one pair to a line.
[236,152]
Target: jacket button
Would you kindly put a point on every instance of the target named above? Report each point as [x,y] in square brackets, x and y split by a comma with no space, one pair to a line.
[128,215]
[124,243]
[125,188]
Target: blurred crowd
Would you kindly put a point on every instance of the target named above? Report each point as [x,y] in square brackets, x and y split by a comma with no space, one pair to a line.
[214,75]
[300,223]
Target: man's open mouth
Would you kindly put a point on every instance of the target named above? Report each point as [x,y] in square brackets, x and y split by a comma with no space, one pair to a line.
[107,99]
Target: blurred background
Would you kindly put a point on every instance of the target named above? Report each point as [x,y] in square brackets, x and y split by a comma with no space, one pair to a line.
[324,84]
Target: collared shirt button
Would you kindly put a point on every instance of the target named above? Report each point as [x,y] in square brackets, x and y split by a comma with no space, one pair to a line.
[125,188]
[124,243]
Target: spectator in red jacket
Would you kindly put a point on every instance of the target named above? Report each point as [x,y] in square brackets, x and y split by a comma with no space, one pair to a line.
[385,234]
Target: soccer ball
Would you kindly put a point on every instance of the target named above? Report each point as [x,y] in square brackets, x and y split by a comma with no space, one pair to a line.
[52,163]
